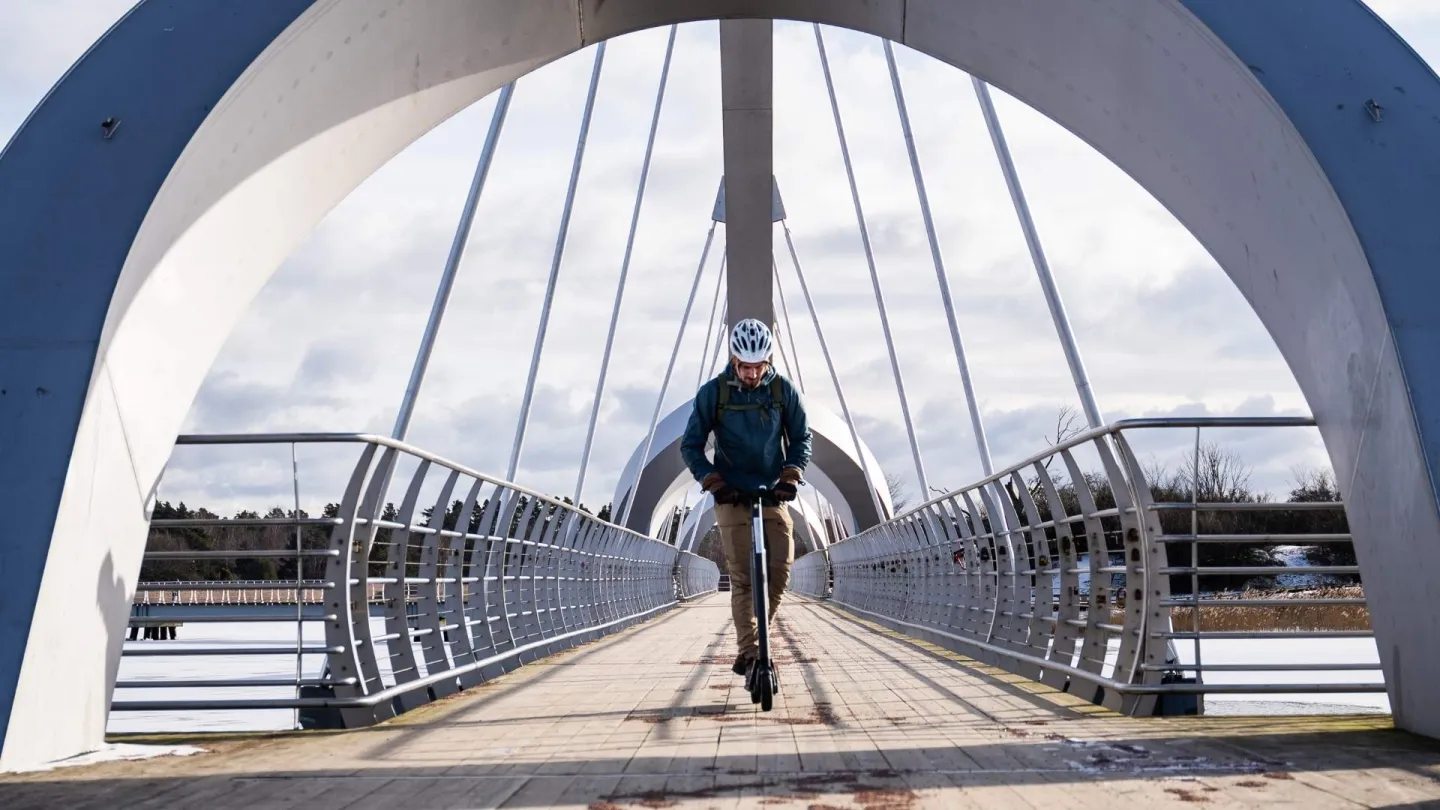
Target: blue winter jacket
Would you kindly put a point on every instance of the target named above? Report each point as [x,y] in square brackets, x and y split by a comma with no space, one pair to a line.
[748,450]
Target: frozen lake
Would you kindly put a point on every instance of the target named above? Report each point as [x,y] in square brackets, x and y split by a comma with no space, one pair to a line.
[193,636]
[218,635]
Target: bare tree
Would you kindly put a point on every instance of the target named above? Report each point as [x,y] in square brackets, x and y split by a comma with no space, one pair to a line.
[1222,476]
[1313,484]
[1318,485]
[899,496]
[1067,427]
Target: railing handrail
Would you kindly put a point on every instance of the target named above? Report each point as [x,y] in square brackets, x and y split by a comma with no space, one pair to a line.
[1211,422]
[187,582]
[1090,435]
[403,447]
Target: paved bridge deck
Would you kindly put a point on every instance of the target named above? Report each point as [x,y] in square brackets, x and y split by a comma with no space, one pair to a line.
[653,718]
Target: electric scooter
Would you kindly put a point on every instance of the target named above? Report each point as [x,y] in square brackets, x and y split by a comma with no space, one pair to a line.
[762,681]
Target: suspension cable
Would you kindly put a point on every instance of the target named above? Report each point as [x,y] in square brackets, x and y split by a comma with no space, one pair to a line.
[720,341]
[665,384]
[779,350]
[710,330]
[452,264]
[976,423]
[625,266]
[834,377]
[1037,255]
[555,263]
[789,330]
[1056,304]
[870,261]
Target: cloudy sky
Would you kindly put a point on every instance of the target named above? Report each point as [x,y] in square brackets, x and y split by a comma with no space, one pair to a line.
[327,346]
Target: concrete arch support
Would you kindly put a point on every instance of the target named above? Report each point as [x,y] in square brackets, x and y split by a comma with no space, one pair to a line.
[172,169]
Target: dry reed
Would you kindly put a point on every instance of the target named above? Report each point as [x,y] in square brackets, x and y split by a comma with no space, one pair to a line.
[1279,617]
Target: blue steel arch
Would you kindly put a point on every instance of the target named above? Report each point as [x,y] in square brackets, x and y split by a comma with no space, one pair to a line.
[78,455]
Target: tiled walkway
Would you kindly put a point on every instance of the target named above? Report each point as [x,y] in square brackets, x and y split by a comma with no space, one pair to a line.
[653,718]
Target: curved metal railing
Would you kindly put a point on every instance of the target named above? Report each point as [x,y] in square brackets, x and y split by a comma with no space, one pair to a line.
[512,576]
[695,576]
[810,575]
[1034,576]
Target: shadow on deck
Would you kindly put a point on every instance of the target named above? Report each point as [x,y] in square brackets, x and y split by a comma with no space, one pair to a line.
[653,718]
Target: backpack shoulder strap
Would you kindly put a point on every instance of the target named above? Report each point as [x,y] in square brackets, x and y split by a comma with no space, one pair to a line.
[722,396]
[777,394]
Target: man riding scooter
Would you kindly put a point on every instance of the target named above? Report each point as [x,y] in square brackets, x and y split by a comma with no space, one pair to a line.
[761,449]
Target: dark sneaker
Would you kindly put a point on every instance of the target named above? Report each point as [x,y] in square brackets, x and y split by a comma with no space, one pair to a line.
[743,661]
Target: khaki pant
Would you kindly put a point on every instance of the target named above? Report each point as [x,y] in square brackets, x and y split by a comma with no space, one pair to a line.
[734,523]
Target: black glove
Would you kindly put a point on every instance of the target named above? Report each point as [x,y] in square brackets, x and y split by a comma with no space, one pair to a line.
[728,495]
[785,488]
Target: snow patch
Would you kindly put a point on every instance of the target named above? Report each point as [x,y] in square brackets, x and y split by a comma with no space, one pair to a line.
[116,752]
[1109,757]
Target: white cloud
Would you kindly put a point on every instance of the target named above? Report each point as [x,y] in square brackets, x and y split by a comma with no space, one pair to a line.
[329,342]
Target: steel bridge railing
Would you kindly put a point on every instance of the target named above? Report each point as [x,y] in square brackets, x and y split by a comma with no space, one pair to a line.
[520,576]
[1066,577]
[810,574]
[695,576]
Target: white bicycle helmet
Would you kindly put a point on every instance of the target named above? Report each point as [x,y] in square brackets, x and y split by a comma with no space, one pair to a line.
[750,341]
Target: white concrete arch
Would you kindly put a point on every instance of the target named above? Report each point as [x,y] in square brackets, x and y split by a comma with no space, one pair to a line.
[166,177]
